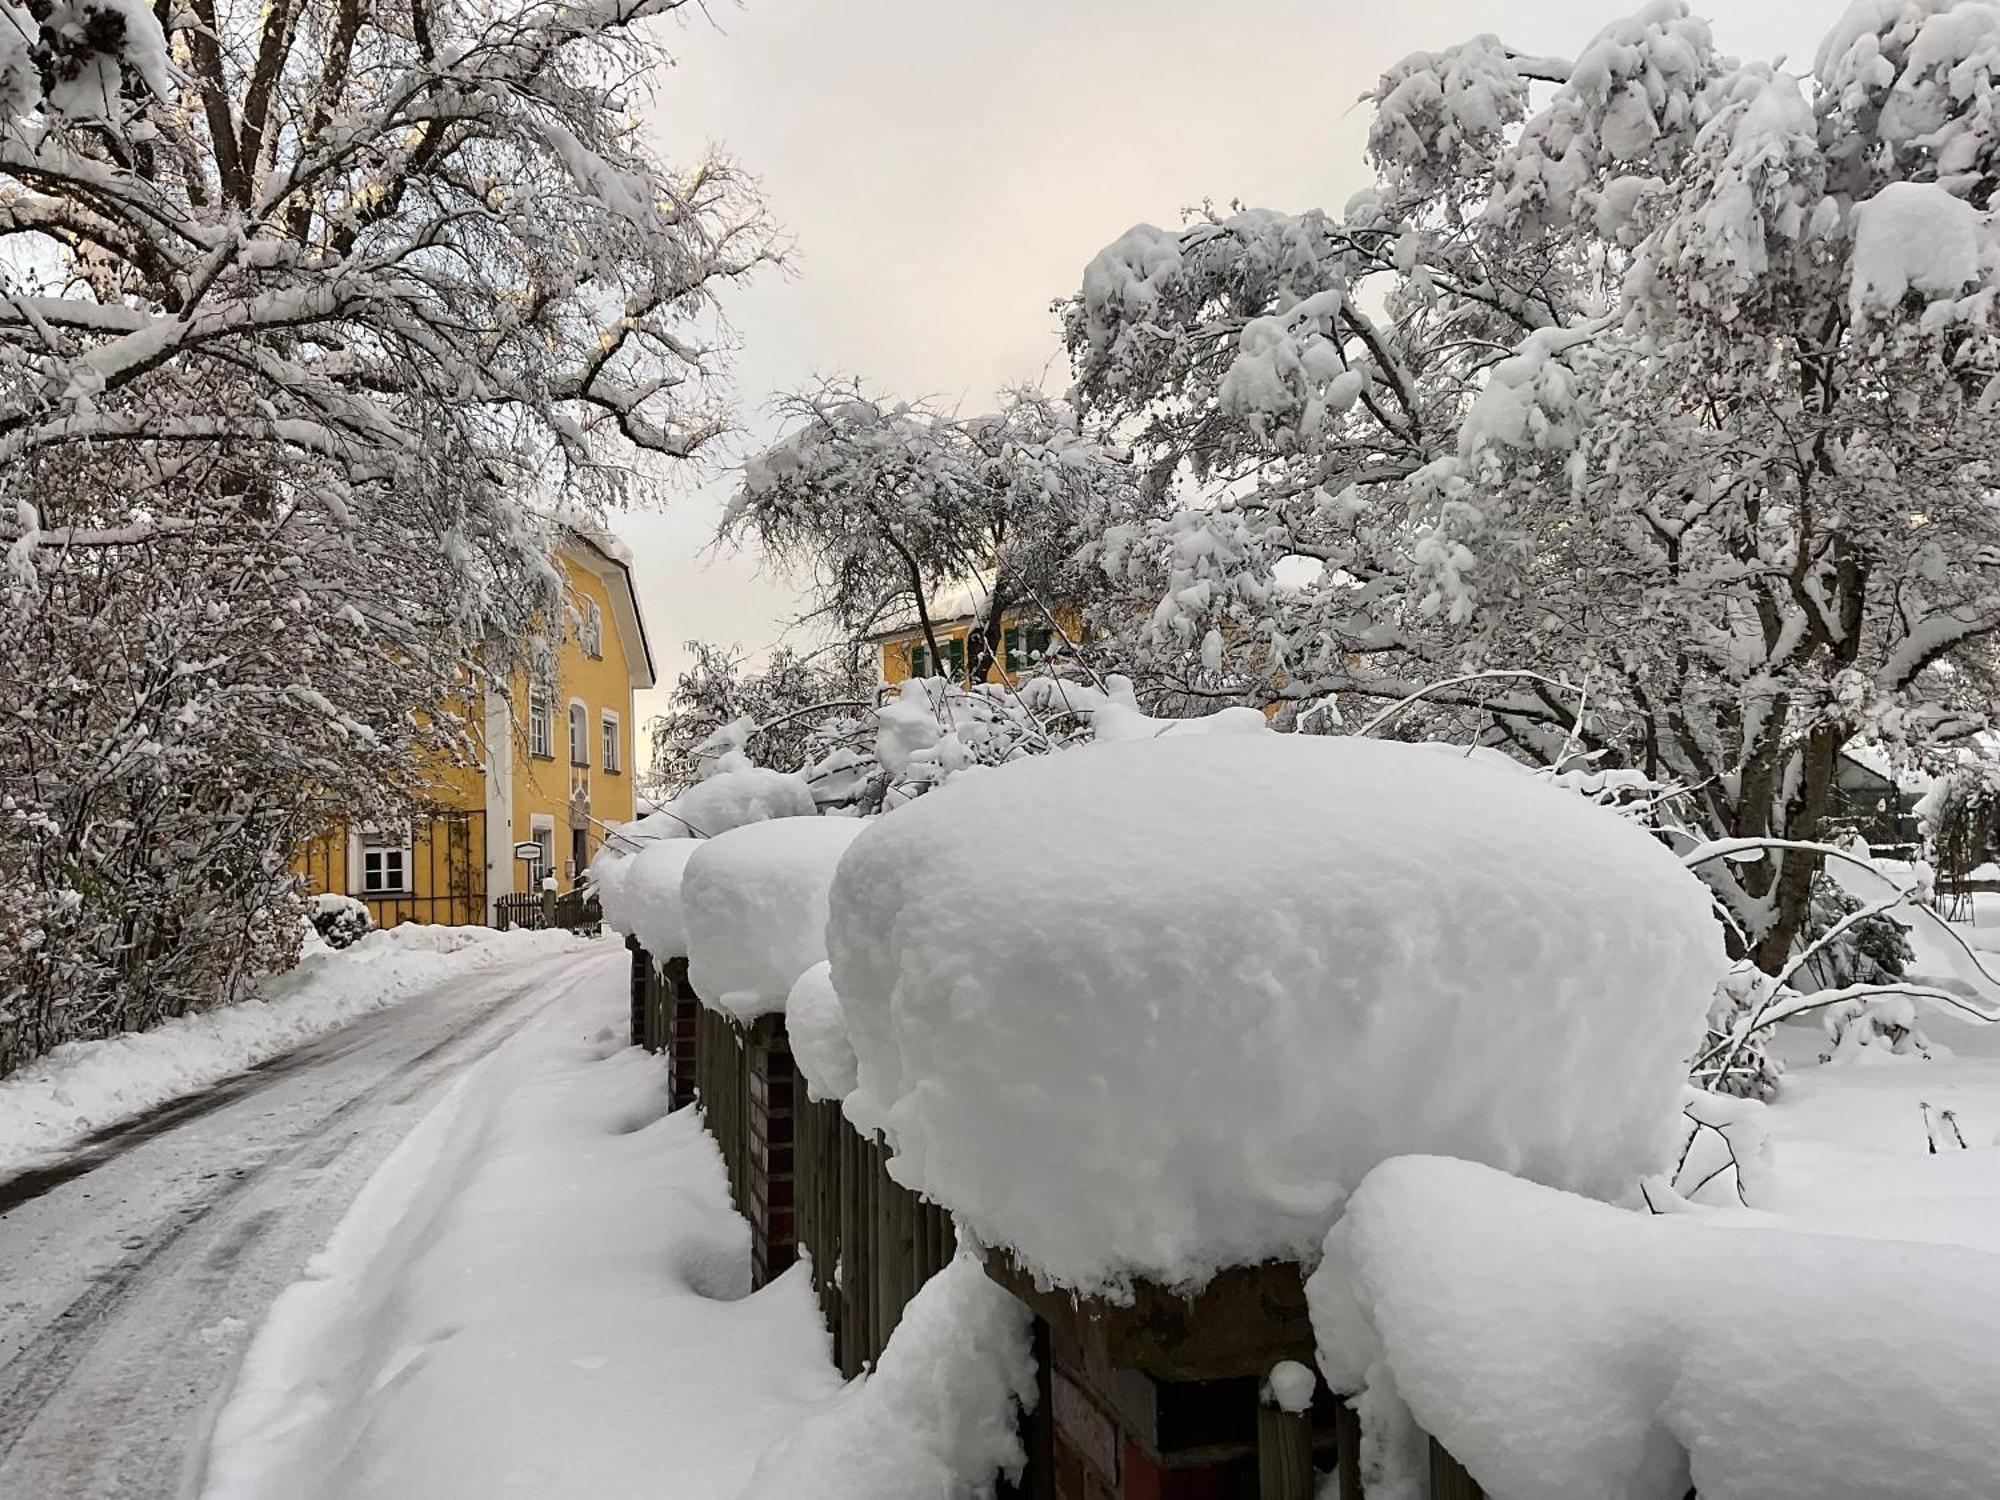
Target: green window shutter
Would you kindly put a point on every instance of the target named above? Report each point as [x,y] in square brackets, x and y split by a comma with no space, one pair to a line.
[1011,644]
[954,658]
[920,660]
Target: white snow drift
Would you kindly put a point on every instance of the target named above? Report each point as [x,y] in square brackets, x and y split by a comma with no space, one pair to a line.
[1237,972]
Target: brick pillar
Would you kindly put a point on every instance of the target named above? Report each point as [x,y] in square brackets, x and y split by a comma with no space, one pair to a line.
[773,1225]
[683,1009]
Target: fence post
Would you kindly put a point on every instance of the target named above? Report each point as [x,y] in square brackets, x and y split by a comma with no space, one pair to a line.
[1449,1481]
[1284,1452]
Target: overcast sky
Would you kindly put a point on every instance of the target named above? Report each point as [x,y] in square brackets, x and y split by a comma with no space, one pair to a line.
[946,168]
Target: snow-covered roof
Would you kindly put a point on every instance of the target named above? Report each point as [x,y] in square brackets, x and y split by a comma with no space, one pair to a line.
[611,560]
[955,604]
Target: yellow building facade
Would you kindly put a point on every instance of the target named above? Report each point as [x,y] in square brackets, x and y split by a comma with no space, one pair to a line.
[1025,640]
[555,769]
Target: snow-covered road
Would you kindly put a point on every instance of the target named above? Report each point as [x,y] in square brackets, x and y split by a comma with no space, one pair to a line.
[132,1275]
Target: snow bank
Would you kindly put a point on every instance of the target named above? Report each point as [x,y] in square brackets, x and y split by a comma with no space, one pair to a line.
[755,901]
[81,1087]
[936,1419]
[1566,1350]
[817,1029]
[1236,972]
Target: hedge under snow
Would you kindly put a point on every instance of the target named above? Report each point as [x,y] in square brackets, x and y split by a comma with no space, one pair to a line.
[1236,972]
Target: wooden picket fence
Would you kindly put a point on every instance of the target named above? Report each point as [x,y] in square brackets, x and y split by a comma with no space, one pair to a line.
[808,1181]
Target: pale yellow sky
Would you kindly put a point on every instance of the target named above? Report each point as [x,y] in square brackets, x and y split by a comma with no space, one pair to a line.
[947,167]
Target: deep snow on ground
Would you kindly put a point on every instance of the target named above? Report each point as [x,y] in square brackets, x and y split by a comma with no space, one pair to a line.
[542,1292]
[83,1086]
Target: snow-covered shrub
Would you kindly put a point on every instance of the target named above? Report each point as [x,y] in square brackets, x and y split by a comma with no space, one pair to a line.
[338,919]
[1567,1350]
[1671,378]
[1237,971]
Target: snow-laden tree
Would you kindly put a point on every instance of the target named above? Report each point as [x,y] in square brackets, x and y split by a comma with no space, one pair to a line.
[1661,382]
[880,506]
[305,308]
[785,702]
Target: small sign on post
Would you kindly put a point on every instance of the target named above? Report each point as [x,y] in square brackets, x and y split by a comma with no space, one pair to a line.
[528,850]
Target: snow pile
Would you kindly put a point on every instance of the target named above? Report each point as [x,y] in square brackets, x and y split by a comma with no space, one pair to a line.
[1239,971]
[1566,1350]
[81,1087]
[648,896]
[1915,236]
[936,1419]
[755,901]
[817,1029]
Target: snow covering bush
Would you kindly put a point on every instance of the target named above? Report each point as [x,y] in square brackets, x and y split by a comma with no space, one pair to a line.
[755,902]
[338,919]
[1237,972]
[936,1420]
[1566,1350]
[817,1029]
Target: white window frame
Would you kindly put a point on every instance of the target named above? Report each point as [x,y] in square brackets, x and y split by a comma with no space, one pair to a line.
[579,733]
[611,735]
[383,843]
[541,724]
[590,629]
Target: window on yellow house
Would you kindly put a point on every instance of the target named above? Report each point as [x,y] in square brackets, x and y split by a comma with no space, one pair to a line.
[1026,645]
[541,734]
[579,733]
[611,757]
[385,863]
[590,630]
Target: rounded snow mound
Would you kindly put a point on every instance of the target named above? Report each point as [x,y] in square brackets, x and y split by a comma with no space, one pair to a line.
[755,902]
[1154,1008]
[647,892]
[817,1030]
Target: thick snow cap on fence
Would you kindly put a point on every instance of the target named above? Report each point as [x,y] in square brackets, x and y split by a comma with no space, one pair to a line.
[634,895]
[755,904]
[817,1029]
[647,897]
[1566,1350]
[1154,1008]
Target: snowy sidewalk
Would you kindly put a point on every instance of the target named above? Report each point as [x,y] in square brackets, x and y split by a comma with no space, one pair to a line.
[541,1292]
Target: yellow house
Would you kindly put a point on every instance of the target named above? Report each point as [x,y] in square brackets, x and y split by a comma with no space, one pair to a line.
[555,768]
[1026,637]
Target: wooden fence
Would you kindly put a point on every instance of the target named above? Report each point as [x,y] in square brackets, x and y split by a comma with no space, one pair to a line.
[1158,1397]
